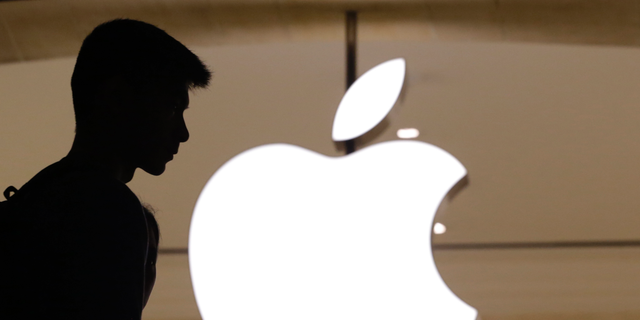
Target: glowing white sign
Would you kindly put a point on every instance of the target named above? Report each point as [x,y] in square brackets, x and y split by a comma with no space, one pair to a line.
[369,100]
[281,232]
[439,228]
[408,133]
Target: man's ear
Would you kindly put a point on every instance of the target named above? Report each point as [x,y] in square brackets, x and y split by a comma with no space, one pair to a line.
[115,96]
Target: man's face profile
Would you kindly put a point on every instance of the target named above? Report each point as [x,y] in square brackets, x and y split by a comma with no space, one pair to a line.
[160,128]
[130,88]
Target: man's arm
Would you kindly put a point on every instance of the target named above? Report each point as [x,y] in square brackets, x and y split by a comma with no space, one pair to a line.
[109,246]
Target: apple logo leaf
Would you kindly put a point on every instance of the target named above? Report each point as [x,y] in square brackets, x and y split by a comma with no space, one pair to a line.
[369,100]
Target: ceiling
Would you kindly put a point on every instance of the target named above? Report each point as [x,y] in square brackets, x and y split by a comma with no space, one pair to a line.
[31,30]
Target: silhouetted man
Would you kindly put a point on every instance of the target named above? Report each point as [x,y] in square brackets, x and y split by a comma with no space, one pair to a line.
[79,245]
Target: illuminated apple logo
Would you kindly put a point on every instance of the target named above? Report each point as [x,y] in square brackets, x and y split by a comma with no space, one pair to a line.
[280,232]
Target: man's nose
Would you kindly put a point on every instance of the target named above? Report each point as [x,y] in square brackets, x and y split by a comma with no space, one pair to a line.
[183,132]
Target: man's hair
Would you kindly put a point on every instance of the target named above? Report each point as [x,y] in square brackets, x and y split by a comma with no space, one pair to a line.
[140,54]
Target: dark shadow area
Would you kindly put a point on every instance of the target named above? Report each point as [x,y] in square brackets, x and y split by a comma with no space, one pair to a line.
[76,242]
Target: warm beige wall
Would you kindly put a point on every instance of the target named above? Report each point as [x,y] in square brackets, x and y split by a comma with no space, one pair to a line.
[548,134]
[36,117]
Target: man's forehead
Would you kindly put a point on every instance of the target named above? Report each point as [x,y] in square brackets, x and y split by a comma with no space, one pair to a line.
[180,91]
[173,87]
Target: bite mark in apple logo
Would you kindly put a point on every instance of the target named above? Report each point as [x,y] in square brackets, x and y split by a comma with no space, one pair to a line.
[282,232]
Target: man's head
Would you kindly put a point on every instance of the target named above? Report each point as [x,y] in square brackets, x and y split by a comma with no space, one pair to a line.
[130,86]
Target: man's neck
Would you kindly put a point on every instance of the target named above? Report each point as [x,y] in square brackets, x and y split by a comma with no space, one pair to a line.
[102,156]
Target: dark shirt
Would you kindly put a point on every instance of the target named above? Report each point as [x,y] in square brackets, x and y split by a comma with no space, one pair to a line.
[78,248]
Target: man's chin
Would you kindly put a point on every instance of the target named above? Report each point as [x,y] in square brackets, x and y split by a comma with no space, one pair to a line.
[155,170]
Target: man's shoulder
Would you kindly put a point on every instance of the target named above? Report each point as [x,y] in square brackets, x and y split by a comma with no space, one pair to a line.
[94,185]
[62,188]
[71,207]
